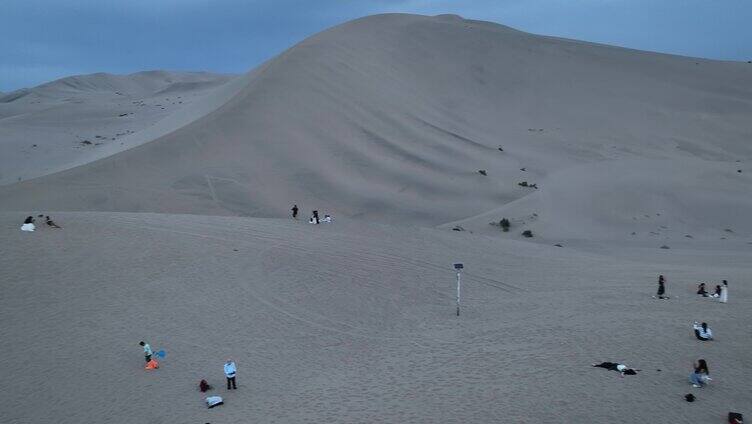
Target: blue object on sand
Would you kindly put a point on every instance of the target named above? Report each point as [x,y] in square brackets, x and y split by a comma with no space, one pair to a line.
[161,353]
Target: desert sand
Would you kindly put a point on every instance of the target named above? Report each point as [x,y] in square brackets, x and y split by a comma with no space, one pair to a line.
[181,236]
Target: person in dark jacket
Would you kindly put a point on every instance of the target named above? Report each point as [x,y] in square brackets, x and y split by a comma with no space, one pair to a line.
[661,288]
[294,211]
[701,290]
[613,366]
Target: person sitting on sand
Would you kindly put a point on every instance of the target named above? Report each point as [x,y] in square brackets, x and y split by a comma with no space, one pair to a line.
[314,218]
[717,292]
[204,386]
[50,222]
[701,290]
[613,366]
[28,224]
[702,331]
[700,376]
[152,365]
[327,219]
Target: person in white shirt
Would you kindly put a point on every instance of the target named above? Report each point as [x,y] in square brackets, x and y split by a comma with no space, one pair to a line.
[702,331]
[230,370]
[147,350]
[28,224]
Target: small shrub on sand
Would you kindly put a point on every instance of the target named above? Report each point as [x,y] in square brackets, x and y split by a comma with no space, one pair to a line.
[504,224]
[527,233]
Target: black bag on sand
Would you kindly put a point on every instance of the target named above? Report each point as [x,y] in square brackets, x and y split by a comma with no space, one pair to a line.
[689,397]
[735,418]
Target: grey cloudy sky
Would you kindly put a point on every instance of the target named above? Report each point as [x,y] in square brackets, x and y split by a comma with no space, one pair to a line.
[41,40]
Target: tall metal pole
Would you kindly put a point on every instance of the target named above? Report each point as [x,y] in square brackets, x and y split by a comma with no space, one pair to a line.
[459,285]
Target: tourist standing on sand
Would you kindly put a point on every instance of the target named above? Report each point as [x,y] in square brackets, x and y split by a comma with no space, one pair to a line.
[147,350]
[724,292]
[294,211]
[315,217]
[230,371]
[661,287]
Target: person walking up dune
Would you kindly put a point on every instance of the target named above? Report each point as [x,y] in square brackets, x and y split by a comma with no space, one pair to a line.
[230,371]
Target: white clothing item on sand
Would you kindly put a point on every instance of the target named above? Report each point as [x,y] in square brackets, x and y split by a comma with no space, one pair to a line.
[213,401]
[724,294]
[621,367]
[28,227]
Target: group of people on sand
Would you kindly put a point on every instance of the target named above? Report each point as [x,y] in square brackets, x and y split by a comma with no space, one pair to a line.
[314,219]
[230,371]
[700,375]
[721,291]
[29,223]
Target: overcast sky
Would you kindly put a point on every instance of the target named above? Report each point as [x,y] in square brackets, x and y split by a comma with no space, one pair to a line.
[42,40]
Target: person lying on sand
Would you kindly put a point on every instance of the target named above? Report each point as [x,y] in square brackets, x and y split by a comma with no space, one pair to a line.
[28,224]
[50,222]
[702,331]
[700,376]
[613,366]
[701,290]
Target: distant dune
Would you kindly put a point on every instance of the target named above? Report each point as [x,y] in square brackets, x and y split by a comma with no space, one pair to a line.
[391,118]
[76,120]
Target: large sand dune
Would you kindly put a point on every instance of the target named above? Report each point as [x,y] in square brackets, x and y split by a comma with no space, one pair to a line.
[381,121]
[390,118]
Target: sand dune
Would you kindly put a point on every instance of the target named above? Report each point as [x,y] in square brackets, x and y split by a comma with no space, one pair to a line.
[391,117]
[76,120]
[385,122]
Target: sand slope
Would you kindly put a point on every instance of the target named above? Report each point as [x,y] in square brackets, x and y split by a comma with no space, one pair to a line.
[390,117]
[354,322]
[76,120]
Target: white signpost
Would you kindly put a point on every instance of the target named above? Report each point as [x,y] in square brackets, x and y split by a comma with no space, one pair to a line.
[458,267]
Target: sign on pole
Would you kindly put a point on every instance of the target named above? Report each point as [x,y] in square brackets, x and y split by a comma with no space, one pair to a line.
[458,267]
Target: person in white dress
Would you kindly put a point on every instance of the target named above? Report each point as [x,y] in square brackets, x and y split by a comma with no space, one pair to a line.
[724,292]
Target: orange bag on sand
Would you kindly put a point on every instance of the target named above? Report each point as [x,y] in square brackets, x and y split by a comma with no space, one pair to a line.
[152,365]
